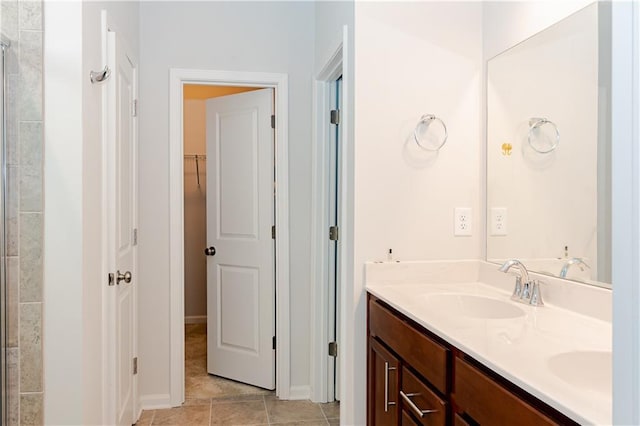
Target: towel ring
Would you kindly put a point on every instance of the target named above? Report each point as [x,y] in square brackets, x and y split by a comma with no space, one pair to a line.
[536,123]
[423,125]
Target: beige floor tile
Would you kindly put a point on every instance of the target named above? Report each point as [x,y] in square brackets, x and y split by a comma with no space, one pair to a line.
[293,411]
[145,418]
[236,398]
[239,413]
[216,387]
[331,410]
[217,401]
[334,422]
[191,415]
[196,401]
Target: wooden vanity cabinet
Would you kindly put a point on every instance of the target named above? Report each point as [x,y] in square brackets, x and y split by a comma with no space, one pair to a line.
[416,378]
[407,372]
[383,379]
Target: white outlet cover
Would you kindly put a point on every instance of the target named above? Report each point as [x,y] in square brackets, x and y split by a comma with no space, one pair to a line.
[462,220]
[498,221]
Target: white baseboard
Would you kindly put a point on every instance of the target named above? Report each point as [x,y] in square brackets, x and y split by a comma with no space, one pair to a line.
[154,402]
[195,319]
[300,392]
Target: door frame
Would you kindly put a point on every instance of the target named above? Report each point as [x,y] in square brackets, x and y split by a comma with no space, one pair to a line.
[319,307]
[178,77]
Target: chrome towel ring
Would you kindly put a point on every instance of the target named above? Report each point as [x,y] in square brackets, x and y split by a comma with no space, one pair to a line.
[422,128]
[100,76]
[536,123]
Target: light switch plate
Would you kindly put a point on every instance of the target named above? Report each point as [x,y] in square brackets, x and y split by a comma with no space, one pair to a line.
[462,222]
[498,221]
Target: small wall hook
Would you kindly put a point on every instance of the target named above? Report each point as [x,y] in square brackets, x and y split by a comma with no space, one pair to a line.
[100,76]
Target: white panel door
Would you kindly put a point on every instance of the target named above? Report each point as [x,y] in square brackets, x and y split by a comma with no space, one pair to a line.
[122,197]
[240,213]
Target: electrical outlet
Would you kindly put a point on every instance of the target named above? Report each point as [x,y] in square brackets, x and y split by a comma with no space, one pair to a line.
[498,221]
[462,222]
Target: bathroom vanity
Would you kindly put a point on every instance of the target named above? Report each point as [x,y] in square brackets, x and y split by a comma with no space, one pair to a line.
[455,350]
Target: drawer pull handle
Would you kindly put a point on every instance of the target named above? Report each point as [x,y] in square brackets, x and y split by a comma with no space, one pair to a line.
[387,403]
[414,407]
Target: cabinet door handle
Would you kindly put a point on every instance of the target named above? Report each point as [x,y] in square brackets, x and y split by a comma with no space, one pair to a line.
[414,407]
[387,403]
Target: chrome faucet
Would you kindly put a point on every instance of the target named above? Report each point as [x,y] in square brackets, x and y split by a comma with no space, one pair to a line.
[526,290]
[573,261]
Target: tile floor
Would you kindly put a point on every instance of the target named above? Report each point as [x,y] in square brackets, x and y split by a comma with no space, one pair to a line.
[212,400]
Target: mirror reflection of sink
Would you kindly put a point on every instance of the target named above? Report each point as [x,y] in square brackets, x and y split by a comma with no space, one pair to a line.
[473,306]
[585,369]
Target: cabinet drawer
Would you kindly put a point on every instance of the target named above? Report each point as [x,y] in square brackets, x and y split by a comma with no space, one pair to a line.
[423,403]
[489,403]
[459,421]
[407,420]
[425,355]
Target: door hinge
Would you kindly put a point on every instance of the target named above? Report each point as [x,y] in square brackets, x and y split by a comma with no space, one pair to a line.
[335,116]
[135,365]
[273,232]
[333,233]
[135,236]
[333,349]
[274,343]
[134,108]
[273,121]
[111,279]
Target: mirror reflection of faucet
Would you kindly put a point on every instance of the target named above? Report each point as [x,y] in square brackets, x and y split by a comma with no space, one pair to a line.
[573,261]
[526,290]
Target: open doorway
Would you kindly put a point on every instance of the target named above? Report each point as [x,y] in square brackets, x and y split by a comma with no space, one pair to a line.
[278,100]
[229,287]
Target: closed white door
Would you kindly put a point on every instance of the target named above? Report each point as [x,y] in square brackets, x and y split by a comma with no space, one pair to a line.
[240,214]
[122,162]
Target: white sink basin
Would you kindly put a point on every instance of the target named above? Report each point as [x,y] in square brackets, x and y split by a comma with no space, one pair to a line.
[473,306]
[585,369]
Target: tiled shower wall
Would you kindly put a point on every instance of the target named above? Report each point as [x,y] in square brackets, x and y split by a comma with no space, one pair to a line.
[21,22]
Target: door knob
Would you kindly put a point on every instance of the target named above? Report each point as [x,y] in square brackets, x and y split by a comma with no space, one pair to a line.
[126,277]
[210,251]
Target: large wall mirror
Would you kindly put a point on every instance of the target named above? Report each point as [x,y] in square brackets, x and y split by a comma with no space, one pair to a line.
[548,150]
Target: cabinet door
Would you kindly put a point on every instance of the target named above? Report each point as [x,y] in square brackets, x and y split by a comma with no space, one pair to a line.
[382,386]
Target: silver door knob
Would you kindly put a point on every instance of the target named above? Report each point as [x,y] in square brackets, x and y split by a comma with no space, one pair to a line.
[126,277]
[210,251]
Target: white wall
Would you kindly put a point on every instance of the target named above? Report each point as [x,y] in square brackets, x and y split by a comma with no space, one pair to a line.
[63,215]
[507,23]
[330,18]
[195,211]
[625,197]
[412,59]
[73,218]
[242,36]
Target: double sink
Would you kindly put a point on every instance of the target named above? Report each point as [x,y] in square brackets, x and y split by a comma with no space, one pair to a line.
[585,368]
[554,352]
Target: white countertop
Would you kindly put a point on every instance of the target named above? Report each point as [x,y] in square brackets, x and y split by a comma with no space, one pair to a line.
[529,350]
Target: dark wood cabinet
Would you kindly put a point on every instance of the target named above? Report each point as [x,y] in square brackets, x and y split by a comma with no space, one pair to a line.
[384,370]
[416,378]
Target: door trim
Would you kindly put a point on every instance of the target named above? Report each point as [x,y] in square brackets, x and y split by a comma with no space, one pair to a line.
[320,226]
[178,77]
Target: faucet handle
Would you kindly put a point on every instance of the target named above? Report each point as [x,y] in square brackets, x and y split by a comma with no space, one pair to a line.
[517,290]
[536,295]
